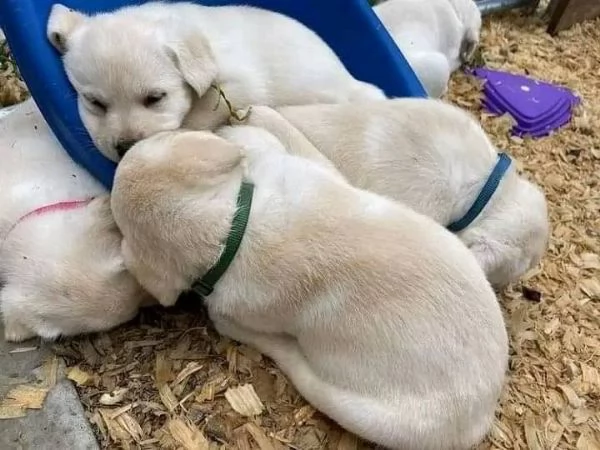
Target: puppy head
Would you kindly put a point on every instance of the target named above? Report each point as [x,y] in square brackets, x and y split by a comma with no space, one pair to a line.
[73,282]
[135,75]
[166,200]
[513,238]
[470,16]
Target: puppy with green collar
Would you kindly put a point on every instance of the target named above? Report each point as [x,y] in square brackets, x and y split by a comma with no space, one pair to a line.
[380,317]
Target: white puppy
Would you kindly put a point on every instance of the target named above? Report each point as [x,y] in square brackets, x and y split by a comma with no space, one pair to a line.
[380,317]
[150,68]
[61,270]
[433,157]
[435,36]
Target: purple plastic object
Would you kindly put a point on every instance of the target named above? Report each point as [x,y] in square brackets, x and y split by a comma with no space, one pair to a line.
[534,130]
[563,104]
[561,110]
[538,107]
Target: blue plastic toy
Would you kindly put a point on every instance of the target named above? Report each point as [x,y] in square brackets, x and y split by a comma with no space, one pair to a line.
[350,27]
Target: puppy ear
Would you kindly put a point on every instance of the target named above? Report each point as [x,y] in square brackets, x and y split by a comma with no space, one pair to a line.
[197,152]
[61,25]
[194,58]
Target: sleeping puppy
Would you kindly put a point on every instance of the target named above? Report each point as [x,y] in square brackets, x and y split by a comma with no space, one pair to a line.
[431,156]
[61,269]
[435,36]
[381,318]
[155,67]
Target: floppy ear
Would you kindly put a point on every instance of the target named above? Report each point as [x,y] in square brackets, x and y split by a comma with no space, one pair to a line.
[198,153]
[194,58]
[61,25]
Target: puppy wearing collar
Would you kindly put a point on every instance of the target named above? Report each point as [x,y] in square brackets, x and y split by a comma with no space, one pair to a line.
[380,317]
[61,269]
[434,158]
[155,67]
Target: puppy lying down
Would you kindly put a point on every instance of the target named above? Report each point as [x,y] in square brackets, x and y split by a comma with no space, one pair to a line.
[381,318]
[61,270]
[435,36]
[433,157]
[150,68]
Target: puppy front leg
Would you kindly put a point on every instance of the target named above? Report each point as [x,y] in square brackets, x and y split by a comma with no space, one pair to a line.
[352,412]
[295,142]
[14,328]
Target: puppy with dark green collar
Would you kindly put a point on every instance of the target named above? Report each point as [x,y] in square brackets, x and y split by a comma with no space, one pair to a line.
[380,317]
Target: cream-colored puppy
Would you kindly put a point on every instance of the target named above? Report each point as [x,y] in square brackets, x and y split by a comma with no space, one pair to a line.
[381,318]
[435,36]
[61,269]
[431,156]
[145,69]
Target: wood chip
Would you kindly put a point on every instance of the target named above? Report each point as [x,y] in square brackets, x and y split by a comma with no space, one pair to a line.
[590,375]
[167,397]
[187,435]
[591,288]
[259,436]
[243,400]
[115,430]
[80,377]
[211,388]
[23,350]
[26,397]
[590,261]
[571,396]
[131,426]
[163,369]
[303,414]
[189,370]
[587,442]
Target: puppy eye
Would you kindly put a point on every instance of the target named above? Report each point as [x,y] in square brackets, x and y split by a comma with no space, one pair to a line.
[154,98]
[96,103]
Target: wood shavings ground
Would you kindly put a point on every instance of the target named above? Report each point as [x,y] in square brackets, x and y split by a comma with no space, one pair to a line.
[177,370]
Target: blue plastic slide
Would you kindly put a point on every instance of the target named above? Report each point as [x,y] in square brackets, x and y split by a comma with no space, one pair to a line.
[350,28]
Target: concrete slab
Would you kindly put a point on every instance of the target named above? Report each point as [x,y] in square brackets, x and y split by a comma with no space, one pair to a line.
[60,424]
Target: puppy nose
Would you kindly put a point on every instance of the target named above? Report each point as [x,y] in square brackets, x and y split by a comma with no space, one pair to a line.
[123,145]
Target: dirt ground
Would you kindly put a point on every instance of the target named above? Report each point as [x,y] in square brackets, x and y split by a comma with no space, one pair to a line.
[169,381]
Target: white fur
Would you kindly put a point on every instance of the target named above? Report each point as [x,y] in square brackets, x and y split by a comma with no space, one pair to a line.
[381,318]
[258,57]
[435,36]
[433,157]
[61,273]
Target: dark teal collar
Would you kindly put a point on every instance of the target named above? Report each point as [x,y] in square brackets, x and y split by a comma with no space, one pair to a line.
[206,284]
[485,194]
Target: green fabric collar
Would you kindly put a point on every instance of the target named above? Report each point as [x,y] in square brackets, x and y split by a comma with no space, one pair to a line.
[205,285]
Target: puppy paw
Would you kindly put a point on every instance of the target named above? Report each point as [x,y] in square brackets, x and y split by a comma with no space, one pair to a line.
[14,331]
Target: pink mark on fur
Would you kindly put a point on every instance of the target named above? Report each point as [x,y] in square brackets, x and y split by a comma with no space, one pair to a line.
[60,206]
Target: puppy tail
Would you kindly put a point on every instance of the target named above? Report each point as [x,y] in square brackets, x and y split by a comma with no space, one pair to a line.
[409,423]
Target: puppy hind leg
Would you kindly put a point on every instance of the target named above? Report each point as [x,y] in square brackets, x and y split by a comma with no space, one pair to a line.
[363,416]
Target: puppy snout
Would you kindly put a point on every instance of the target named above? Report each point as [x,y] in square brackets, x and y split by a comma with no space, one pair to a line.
[123,145]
